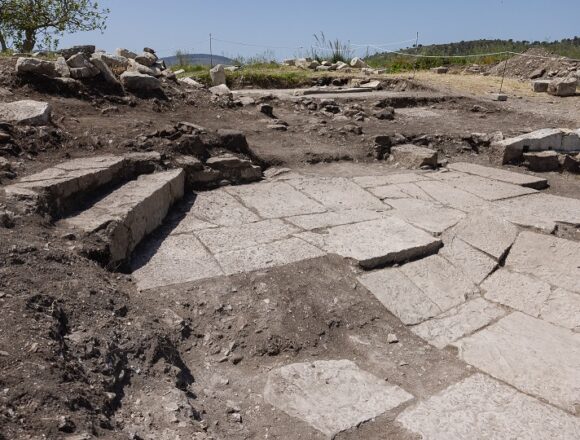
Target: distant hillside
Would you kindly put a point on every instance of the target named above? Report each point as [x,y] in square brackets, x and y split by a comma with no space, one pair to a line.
[569,47]
[197,59]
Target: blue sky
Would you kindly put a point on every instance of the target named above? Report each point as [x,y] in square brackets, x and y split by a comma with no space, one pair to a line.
[169,25]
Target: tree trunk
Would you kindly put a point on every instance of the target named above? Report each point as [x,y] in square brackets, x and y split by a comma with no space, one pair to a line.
[29,40]
[3,43]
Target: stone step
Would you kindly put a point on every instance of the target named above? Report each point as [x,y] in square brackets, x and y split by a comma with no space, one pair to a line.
[524,180]
[124,217]
[58,189]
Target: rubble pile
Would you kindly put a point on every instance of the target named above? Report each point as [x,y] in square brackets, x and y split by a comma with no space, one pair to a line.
[123,69]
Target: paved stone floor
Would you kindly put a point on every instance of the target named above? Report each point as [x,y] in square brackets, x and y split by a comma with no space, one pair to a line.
[469,259]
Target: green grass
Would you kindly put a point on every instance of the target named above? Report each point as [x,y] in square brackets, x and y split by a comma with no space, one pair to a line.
[263,76]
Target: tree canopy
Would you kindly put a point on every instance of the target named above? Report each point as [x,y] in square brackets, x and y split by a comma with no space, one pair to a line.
[27,23]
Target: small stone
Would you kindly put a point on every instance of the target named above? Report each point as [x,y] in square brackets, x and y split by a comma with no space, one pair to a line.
[267,109]
[236,359]
[392,338]
[66,425]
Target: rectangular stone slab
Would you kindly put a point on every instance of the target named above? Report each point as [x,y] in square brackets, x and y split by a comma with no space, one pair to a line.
[452,197]
[487,189]
[552,259]
[263,256]
[390,179]
[376,242]
[482,408]
[55,186]
[215,208]
[336,218]
[501,175]
[458,322]
[229,238]
[131,212]
[331,396]
[172,260]
[337,193]
[534,356]
[421,289]
[540,210]
[275,200]
[430,217]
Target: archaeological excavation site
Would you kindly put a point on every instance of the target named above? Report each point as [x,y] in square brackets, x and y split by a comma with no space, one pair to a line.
[315,248]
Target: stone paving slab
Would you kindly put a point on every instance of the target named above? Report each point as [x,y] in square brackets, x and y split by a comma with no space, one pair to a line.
[337,218]
[562,308]
[534,297]
[173,260]
[214,208]
[400,296]
[131,212]
[487,232]
[540,209]
[65,180]
[487,189]
[484,409]
[376,242]
[440,281]
[501,175]
[390,179]
[420,290]
[331,396]
[337,193]
[230,238]
[267,255]
[452,197]
[432,218]
[518,291]
[458,322]
[401,191]
[275,200]
[552,259]
[475,264]
[534,356]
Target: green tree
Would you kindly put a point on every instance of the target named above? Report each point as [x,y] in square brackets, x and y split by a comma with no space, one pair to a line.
[28,22]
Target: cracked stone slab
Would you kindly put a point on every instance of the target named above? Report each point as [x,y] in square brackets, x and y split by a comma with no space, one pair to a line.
[452,197]
[525,180]
[389,179]
[263,256]
[554,260]
[229,238]
[214,208]
[532,355]
[484,188]
[482,408]
[376,242]
[487,232]
[458,322]
[420,290]
[331,396]
[131,212]
[475,264]
[173,260]
[276,199]
[337,218]
[337,193]
[430,217]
